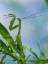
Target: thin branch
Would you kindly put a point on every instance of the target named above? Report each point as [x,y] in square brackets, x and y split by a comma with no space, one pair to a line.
[39,61]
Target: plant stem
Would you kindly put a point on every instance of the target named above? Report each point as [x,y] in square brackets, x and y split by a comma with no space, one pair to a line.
[39,61]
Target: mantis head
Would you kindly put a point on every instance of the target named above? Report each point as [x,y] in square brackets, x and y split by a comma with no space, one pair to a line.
[9,15]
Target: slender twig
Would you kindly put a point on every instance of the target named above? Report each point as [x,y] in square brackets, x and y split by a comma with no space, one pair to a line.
[10,54]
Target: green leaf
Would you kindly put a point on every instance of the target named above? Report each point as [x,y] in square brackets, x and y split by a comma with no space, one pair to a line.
[4,46]
[37,43]
[5,34]
[3,59]
[30,49]
[41,52]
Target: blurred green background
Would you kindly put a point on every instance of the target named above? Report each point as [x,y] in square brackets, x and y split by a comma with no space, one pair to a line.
[33,29]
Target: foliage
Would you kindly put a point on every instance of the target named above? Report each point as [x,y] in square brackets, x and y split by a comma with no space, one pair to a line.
[46,1]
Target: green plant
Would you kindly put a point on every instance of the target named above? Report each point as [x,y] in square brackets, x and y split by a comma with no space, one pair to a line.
[46,1]
[15,49]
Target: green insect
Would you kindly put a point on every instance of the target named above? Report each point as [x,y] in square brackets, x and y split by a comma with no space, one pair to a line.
[11,27]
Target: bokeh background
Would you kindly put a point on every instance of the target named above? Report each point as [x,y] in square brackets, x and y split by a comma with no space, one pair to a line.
[33,29]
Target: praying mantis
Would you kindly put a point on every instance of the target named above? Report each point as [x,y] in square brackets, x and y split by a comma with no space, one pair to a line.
[18,40]
[11,27]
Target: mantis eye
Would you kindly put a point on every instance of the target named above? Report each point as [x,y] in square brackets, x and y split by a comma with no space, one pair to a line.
[11,15]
